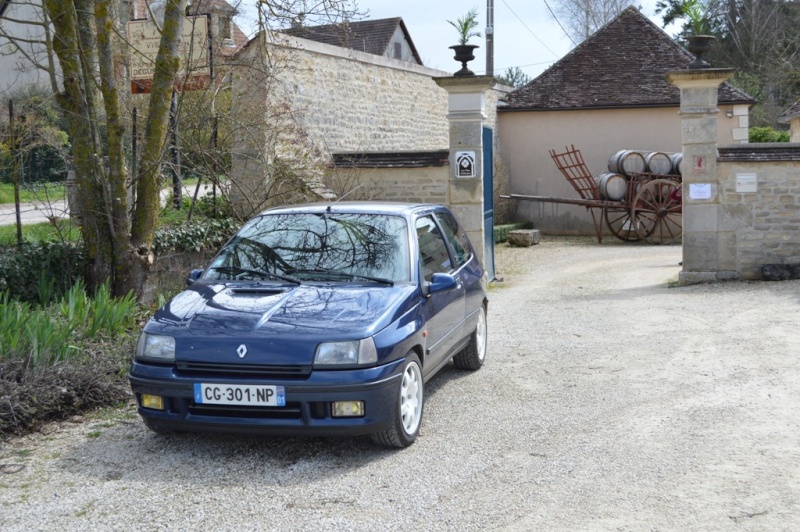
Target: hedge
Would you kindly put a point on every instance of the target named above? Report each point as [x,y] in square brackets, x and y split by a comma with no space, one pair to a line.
[40,271]
[501,231]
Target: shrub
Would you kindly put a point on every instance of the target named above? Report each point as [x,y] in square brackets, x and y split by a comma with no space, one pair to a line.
[501,231]
[767,134]
[38,271]
[194,236]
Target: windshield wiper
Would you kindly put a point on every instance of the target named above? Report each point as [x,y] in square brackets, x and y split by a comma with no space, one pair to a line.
[347,275]
[236,269]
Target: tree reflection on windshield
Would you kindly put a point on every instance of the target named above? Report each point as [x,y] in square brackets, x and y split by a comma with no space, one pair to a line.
[307,246]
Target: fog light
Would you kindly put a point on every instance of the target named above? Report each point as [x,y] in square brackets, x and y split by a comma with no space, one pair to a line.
[348,409]
[156,402]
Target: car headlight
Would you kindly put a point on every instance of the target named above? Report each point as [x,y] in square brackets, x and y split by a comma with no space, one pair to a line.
[155,348]
[356,352]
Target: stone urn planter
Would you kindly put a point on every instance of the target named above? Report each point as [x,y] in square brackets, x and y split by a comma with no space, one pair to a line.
[699,45]
[464,53]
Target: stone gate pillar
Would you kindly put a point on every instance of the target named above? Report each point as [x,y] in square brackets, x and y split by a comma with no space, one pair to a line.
[467,115]
[709,254]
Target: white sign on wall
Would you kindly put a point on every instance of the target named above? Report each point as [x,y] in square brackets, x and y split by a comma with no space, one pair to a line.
[700,191]
[465,164]
[746,183]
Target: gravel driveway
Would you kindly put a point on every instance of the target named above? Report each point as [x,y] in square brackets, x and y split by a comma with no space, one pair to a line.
[609,401]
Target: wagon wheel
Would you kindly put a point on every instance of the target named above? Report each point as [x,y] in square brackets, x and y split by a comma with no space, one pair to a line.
[657,209]
[618,220]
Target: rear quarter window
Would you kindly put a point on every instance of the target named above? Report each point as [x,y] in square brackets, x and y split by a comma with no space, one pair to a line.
[456,238]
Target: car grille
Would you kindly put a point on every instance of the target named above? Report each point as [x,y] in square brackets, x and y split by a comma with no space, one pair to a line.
[243,370]
[290,411]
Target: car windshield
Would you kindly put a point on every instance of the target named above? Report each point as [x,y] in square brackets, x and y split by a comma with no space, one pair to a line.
[329,246]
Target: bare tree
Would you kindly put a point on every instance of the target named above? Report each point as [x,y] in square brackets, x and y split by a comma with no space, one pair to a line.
[85,45]
[581,18]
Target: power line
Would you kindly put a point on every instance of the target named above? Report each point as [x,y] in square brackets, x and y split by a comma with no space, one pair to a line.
[529,30]
[559,23]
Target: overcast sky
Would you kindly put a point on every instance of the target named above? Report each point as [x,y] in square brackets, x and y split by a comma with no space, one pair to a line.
[526,35]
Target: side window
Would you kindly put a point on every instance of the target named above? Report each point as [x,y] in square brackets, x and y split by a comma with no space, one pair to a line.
[433,255]
[456,237]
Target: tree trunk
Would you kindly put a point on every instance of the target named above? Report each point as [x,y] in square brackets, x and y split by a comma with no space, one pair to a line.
[73,31]
[145,216]
[117,174]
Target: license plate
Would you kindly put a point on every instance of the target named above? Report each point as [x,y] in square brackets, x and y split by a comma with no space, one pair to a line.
[239,394]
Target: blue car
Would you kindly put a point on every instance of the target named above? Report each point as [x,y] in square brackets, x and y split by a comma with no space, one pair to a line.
[321,320]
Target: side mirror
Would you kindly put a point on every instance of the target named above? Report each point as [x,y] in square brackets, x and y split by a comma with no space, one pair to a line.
[193,276]
[441,282]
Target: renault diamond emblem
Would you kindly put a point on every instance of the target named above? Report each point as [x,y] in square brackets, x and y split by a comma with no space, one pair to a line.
[241,351]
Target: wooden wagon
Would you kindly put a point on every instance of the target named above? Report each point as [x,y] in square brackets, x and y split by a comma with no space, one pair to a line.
[650,208]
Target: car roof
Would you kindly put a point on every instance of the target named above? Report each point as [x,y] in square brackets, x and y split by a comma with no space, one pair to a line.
[357,207]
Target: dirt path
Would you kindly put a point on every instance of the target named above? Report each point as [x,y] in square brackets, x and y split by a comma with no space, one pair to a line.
[610,401]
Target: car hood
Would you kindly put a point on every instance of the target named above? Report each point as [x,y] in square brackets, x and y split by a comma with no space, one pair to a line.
[276,324]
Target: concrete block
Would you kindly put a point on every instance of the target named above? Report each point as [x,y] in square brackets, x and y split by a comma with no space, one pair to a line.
[524,238]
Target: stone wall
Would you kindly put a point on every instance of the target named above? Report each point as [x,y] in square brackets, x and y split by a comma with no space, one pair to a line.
[168,274]
[759,223]
[354,101]
[341,101]
[424,185]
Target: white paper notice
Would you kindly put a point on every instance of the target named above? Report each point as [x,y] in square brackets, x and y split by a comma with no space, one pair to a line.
[700,191]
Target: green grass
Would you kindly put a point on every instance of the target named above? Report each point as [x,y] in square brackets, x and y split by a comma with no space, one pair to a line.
[44,336]
[41,232]
[28,193]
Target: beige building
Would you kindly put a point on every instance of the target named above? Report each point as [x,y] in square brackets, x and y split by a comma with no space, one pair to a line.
[608,94]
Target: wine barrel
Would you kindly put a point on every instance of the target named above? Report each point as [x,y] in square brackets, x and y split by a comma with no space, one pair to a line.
[612,186]
[657,162]
[676,159]
[626,162]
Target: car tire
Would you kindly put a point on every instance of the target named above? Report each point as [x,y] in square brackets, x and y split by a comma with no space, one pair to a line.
[408,407]
[472,356]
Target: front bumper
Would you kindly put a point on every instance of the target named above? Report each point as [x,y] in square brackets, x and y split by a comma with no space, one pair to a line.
[308,402]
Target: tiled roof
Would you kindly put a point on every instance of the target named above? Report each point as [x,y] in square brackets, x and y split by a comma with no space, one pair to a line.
[408,159]
[623,64]
[791,112]
[759,152]
[370,36]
